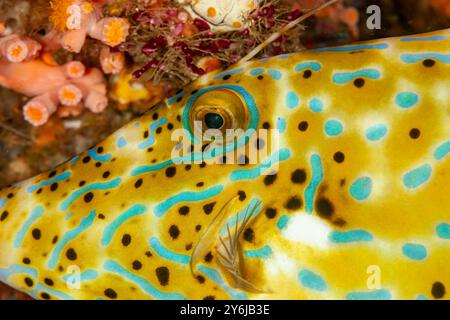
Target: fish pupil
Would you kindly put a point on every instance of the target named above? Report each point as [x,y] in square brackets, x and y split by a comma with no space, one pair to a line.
[214,120]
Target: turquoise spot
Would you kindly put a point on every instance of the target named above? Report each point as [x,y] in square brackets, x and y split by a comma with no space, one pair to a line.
[193,196]
[84,276]
[2,203]
[433,38]
[417,177]
[85,223]
[151,139]
[443,231]
[311,280]
[442,151]
[377,132]
[350,236]
[262,253]
[316,179]
[414,58]
[378,46]
[255,172]
[171,100]
[60,177]
[35,215]
[120,220]
[275,74]
[17,269]
[68,216]
[257,72]
[308,65]
[226,73]
[346,77]
[333,128]
[116,268]
[281,125]
[361,188]
[292,100]
[414,251]
[407,100]
[74,159]
[121,142]
[94,186]
[282,222]
[99,157]
[316,105]
[421,297]
[165,253]
[381,294]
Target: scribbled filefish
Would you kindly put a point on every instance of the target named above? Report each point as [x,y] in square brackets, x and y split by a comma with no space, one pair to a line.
[352,202]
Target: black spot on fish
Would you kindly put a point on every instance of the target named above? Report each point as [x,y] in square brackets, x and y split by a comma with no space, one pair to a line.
[126,240]
[303,126]
[88,197]
[307,74]
[414,133]
[294,203]
[324,208]
[438,290]
[162,273]
[137,265]
[184,210]
[86,159]
[270,179]
[29,282]
[36,233]
[71,254]
[170,172]
[359,83]
[208,208]
[45,296]
[428,63]
[49,282]
[271,213]
[209,298]
[208,257]
[339,157]
[298,176]
[4,215]
[242,195]
[200,279]
[249,235]
[138,183]
[174,232]
[110,293]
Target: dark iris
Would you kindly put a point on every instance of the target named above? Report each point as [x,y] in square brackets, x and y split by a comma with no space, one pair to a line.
[214,120]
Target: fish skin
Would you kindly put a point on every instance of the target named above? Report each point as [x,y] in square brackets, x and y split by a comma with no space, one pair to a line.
[358,208]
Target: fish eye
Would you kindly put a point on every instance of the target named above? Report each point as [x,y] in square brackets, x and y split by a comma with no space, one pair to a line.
[219,109]
[214,120]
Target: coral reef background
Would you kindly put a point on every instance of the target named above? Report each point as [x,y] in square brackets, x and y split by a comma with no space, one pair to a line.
[26,150]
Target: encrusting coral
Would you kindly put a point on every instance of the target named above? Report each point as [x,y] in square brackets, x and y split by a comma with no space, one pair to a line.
[15,48]
[70,85]
[78,19]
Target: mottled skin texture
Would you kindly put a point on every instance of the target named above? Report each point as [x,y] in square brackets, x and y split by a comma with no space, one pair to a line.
[370,208]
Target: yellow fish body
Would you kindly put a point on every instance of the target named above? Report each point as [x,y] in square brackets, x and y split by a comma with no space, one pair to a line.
[350,202]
